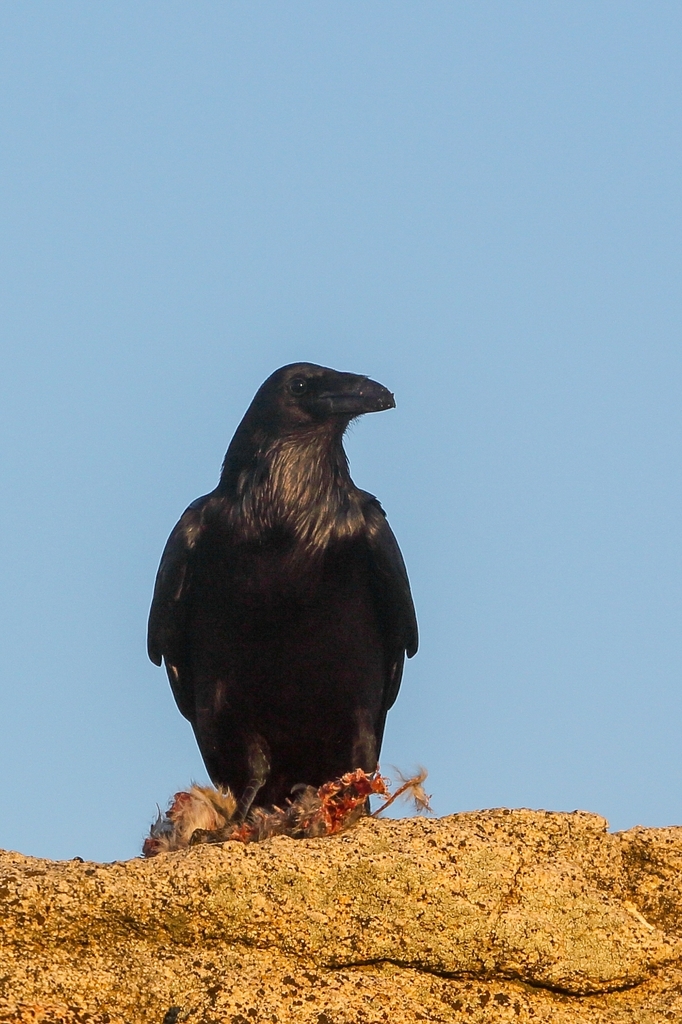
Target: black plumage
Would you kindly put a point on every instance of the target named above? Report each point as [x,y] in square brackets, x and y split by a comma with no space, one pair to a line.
[282,608]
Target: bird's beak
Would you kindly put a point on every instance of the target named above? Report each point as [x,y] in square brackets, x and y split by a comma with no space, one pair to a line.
[355,396]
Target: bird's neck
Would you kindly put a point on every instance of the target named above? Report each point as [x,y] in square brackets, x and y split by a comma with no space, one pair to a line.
[297,486]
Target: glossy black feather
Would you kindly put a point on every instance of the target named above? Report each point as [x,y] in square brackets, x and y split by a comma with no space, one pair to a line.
[282,608]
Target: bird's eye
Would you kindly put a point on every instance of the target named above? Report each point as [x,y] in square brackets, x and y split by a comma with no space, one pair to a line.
[298,386]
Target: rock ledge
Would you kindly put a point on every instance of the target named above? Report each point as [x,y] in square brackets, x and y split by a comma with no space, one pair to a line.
[493,916]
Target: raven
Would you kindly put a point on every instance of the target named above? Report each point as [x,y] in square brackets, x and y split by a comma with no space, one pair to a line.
[282,608]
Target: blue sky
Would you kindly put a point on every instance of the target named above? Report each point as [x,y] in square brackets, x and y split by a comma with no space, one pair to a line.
[477,204]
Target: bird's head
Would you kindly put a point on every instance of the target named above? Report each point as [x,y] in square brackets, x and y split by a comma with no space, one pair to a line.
[303,396]
[300,407]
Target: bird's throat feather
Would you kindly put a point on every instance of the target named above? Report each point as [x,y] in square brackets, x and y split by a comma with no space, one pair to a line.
[301,488]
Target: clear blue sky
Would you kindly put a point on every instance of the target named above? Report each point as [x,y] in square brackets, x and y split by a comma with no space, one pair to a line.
[479,205]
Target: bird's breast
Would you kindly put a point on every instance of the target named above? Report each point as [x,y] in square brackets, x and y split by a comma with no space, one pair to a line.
[268,578]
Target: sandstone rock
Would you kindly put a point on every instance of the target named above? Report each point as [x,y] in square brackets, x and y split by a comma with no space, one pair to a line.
[483,917]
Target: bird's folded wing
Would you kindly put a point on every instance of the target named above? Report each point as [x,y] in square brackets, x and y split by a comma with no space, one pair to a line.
[168,613]
[392,593]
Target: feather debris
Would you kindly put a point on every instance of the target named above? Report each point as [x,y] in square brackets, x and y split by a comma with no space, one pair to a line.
[206,815]
[410,788]
[199,808]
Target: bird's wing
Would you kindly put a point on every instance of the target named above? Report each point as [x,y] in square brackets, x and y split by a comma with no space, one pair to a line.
[392,594]
[168,613]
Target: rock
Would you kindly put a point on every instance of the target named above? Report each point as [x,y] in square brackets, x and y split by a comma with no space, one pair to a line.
[482,917]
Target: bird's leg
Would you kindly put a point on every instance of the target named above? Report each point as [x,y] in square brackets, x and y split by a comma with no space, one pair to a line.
[364,742]
[259,766]
[364,746]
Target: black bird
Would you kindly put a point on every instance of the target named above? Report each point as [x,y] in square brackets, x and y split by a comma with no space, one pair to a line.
[282,607]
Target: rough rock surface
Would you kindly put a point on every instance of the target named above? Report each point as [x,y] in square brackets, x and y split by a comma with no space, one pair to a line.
[495,916]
